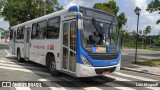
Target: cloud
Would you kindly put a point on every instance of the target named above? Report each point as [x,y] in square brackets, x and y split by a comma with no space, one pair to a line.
[87,3]
[146,18]
[4,24]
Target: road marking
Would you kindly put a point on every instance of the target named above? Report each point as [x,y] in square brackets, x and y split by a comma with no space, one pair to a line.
[25,70]
[124,88]
[117,86]
[92,88]
[7,52]
[14,65]
[135,77]
[117,78]
[22,88]
[6,61]
[122,79]
[153,88]
[53,88]
[83,84]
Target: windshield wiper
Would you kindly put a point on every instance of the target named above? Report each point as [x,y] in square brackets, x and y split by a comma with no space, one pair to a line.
[95,25]
[100,34]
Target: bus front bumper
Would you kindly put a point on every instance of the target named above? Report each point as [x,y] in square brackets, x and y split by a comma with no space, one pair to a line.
[86,71]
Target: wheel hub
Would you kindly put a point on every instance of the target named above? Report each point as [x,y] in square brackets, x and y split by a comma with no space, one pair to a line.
[53,66]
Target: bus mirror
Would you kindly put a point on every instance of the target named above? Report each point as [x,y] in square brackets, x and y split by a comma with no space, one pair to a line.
[80,24]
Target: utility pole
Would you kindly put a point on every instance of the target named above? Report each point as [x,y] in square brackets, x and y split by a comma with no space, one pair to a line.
[150,42]
[1,35]
[44,7]
[137,11]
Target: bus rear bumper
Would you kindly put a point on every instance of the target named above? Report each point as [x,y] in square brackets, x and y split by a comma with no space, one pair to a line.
[86,71]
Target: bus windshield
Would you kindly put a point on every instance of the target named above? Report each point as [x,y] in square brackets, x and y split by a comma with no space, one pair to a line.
[100,37]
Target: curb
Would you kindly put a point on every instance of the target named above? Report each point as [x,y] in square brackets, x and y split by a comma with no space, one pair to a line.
[139,71]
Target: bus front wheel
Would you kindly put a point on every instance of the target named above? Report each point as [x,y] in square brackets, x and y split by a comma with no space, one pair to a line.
[51,65]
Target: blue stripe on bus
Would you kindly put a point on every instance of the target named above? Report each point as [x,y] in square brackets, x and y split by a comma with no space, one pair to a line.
[78,49]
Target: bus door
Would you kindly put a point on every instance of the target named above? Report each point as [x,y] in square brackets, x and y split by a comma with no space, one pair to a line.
[14,41]
[26,43]
[69,46]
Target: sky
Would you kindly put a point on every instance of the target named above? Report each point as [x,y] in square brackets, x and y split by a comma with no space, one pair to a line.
[126,6]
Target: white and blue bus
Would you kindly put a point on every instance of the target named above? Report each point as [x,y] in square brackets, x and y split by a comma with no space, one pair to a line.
[79,41]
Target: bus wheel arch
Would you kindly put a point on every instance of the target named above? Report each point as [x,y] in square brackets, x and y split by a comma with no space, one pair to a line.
[51,64]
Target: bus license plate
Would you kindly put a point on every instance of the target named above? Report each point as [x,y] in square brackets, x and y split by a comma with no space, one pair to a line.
[106,72]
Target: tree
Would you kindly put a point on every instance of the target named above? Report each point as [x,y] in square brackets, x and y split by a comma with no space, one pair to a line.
[148,29]
[112,8]
[122,19]
[109,7]
[1,7]
[154,6]
[134,32]
[140,32]
[19,11]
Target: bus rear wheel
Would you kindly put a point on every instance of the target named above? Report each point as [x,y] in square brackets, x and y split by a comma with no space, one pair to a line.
[51,65]
[19,58]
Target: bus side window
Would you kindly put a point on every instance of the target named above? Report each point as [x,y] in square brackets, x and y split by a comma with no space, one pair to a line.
[33,34]
[53,28]
[22,33]
[11,34]
[73,35]
[18,34]
[41,30]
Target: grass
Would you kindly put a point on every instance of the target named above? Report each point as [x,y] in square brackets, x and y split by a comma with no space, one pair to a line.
[145,48]
[152,63]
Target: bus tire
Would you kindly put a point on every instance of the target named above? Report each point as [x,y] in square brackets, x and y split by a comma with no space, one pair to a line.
[51,65]
[19,58]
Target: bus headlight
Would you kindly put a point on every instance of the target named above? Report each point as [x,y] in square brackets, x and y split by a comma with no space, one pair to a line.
[85,61]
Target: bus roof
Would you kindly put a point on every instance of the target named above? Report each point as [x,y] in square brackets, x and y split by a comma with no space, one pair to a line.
[74,8]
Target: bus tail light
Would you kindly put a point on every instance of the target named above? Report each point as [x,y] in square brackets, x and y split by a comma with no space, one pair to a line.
[85,61]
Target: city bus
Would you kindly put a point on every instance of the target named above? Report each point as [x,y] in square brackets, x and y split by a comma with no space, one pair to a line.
[78,41]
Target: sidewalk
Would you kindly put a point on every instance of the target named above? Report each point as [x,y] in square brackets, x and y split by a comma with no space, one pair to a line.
[128,57]
[143,69]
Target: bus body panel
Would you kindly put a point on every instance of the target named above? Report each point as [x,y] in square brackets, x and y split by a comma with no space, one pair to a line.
[36,50]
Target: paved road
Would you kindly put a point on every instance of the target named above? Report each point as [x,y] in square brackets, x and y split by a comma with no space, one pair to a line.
[2,51]
[128,56]
[11,70]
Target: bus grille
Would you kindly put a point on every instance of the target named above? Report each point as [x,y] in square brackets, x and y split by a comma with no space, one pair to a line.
[103,57]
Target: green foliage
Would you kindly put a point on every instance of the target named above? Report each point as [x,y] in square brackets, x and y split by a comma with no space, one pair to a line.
[112,8]
[157,41]
[1,7]
[109,7]
[18,11]
[158,22]
[122,19]
[152,62]
[154,6]
[148,30]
